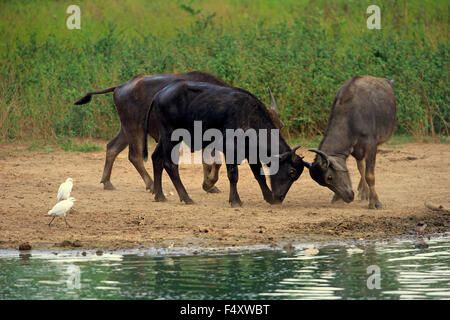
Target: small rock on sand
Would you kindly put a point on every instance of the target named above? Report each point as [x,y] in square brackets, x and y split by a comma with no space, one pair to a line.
[25,246]
[77,243]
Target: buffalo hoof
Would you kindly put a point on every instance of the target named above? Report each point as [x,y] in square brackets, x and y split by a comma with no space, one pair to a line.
[377,205]
[150,188]
[188,201]
[108,186]
[236,203]
[213,190]
[210,188]
[275,203]
[160,198]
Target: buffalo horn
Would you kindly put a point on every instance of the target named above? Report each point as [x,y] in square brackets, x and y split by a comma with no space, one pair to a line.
[306,163]
[273,103]
[322,154]
[294,156]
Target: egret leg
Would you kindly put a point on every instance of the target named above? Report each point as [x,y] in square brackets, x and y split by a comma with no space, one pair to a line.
[66,222]
[51,221]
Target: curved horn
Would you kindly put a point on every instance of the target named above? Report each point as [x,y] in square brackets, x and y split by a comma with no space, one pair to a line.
[294,155]
[273,103]
[322,154]
[307,164]
[295,149]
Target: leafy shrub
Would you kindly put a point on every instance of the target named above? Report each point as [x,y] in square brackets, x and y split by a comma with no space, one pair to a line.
[304,58]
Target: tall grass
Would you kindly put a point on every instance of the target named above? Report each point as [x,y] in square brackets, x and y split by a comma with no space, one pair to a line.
[303,50]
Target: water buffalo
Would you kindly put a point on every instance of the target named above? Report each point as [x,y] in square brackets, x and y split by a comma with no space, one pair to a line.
[362,117]
[182,105]
[132,100]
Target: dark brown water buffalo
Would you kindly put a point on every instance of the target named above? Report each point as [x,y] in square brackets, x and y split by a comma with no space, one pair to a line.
[242,129]
[132,100]
[362,117]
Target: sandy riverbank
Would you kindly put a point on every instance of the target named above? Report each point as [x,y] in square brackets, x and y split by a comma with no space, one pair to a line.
[407,176]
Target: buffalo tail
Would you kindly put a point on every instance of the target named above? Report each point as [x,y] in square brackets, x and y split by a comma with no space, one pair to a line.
[87,98]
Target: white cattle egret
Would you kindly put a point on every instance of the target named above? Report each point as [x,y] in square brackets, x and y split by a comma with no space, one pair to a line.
[65,189]
[61,208]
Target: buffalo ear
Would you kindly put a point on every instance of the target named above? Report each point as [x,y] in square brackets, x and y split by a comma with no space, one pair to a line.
[325,163]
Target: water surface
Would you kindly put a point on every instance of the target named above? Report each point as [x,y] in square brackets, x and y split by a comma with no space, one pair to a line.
[336,271]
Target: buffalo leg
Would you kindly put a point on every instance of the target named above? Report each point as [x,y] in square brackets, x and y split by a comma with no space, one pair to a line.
[135,155]
[210,177]
[374,202]
[363,188]
[158,164]
[267,194]
[233,176]
[113,148]
[172,170]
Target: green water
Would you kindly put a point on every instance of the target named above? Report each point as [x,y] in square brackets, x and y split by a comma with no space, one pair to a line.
[334,272]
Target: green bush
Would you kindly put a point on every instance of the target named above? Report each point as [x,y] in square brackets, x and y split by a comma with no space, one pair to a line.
[68,144]
[303,51]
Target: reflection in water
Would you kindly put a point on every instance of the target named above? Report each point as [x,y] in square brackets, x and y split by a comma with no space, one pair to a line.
[25,258]
[327,272]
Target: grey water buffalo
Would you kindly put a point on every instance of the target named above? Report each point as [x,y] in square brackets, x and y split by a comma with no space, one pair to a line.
[362,117]
[132,100]
[182,105]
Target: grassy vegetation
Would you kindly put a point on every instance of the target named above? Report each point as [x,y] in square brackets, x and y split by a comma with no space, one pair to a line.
[68,144]
[303,50]
[64,143]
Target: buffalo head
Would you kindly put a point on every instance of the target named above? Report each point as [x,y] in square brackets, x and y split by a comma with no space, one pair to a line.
[290,168]
[331,172]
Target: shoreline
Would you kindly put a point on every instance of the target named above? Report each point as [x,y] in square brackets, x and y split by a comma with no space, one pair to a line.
[128,217]
[208,250]
[369,229]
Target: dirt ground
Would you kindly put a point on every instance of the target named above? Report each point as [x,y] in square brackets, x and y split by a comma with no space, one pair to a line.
[406,176]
